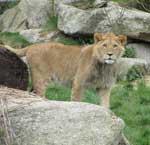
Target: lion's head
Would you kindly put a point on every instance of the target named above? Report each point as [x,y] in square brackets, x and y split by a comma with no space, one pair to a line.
[108,47]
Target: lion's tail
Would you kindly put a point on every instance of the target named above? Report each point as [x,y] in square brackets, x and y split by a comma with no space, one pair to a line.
[19,52]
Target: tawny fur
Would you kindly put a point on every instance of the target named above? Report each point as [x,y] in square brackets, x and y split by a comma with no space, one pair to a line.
[82,66]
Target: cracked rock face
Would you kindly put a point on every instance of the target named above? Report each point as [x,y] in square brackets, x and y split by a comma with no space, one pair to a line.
[28,14]
[111,18]
[41,122]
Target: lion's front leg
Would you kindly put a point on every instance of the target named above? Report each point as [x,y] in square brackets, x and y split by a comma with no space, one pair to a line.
[78,86]
[77,91]
[105,97]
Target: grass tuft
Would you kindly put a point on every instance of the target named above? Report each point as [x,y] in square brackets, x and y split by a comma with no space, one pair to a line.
[51,24]
[69,41]
[121,0]
[62,93]
[13,39]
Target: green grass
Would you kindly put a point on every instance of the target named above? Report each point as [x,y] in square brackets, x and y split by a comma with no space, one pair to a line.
[13,39]
[130,103]
[62,93]
[121,0]
[135,72]
[51,24]
[133,106]
[7,5]
[69,41]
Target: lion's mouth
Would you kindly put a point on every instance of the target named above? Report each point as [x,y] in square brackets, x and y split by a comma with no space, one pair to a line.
[109,61]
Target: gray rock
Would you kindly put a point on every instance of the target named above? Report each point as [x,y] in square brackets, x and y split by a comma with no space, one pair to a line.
[28,14]
[31,35]
[100,3]
[142,50]
[38,35]
[113,18]
[36,121]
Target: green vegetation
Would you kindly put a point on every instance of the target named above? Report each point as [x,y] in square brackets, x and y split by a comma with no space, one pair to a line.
[13,39]
[136,72]
[121,0]
[129,52]
[130,103]
[7,5]
[62,93]
[133,106]
[1,133]
[69,41]
[143,5]
[51,24]
[30,86]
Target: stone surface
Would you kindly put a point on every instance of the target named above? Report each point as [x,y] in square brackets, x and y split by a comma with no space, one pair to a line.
[37,35]
[28,14]
[112,18]
[142,50]
[36,121]
[99,3]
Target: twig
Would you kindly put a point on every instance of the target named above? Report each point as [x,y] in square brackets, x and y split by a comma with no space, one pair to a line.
[9,135]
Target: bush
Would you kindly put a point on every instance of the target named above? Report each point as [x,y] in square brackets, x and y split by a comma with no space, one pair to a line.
[136,72]
[130,53]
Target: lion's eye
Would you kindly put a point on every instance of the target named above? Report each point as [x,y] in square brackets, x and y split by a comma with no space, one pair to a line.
[104,45]
[115,45]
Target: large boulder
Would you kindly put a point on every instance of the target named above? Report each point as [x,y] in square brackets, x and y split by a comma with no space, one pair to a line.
[36,121]
[28,14]
[110,18]
[37,35]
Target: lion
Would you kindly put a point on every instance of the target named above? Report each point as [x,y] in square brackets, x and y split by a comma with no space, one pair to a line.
[81,67]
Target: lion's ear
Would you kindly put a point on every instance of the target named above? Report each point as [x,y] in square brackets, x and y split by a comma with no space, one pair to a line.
[122,39]
[97,37]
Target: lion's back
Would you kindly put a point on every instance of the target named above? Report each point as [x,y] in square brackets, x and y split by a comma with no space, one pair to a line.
[58,60]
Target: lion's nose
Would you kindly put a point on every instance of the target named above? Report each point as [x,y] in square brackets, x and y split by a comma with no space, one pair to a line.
[110,53]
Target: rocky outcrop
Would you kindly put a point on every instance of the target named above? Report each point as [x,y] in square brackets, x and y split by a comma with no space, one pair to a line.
[99,3]
[29,14]
[38,35]
[41,122]
[142,50]
[111,18]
